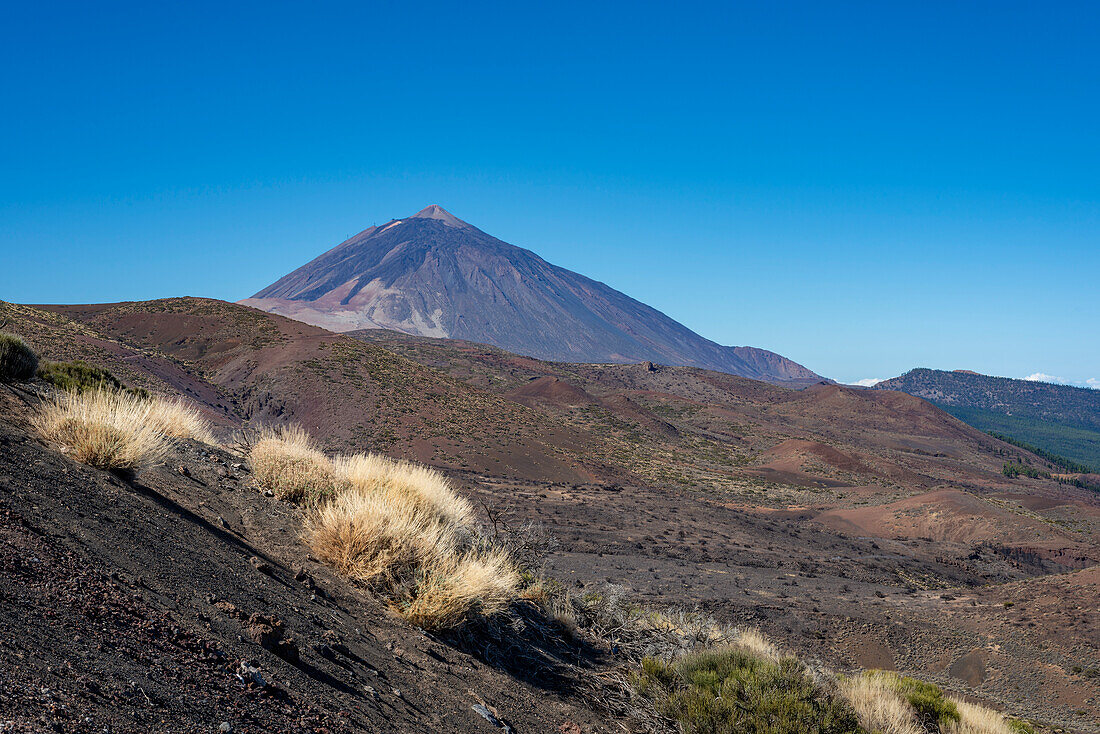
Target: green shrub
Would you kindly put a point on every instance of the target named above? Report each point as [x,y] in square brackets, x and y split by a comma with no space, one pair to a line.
[731,690]
[17,360]
[78,376]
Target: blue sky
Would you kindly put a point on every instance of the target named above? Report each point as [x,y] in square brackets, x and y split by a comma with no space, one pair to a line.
[863,187]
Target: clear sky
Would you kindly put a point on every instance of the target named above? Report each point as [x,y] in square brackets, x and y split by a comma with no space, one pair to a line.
[863,187]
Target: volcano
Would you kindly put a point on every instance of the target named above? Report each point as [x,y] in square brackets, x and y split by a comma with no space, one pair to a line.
[434,275]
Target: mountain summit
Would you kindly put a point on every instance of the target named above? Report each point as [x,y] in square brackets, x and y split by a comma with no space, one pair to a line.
[434,275]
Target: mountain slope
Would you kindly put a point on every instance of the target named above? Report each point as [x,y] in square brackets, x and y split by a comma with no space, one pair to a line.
[1058,418]
[435,275]
[244,365]
[858,526]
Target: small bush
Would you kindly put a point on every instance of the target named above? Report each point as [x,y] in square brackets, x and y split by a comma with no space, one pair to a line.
[933,709]
[17,360]
[115,430]
[286,462]
[79,376]
[732,690]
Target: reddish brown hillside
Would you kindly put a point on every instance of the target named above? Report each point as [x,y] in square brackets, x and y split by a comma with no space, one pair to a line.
[351,394]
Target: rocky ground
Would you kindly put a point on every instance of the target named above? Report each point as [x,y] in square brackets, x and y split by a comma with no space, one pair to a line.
[181,600]
[975,622]
[862,528]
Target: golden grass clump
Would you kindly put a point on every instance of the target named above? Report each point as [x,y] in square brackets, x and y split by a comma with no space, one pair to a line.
[879,706]
[450,589]
[400,528]
[287,462]
[975,719]
[116,430]
[404,483]
[176,419]
[753,641]
[375,540]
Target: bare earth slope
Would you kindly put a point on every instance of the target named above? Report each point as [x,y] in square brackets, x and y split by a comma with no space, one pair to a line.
[252,366]
[140,605]
[435,275]
[867,528]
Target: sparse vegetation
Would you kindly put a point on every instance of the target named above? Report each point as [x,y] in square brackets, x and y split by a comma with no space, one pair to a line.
[17,360]
[1014,469]
[115,430]
[1073,467]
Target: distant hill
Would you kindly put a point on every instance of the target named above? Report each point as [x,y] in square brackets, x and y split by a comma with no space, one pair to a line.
[1060,419]
[434,275]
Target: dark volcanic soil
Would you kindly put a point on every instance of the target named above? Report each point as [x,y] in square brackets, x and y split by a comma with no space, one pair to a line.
[136,605]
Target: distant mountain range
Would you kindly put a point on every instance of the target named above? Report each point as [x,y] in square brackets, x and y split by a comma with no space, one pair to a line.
[1057,418]
[434,275]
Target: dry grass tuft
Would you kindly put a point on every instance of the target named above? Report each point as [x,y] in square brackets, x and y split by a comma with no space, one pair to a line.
[176,419]
[287,462]
[753,641]
[115,430]
[451,590]
[401,529]
[975,719]
[404,483]
[370,539]
[879,706]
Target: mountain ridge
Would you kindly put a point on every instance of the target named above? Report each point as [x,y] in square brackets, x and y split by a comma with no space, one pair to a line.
[1061,419]
[435,275]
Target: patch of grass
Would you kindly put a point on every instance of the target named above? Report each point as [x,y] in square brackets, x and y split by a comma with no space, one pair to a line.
[879,705]
[174,418]
[288,463]
[399,482]
[17,360]
[733,690]
[928,701]
[115,430]
[394,526]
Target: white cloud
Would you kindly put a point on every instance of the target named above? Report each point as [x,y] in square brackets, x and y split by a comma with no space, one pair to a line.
[867,382]
[1044,377]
